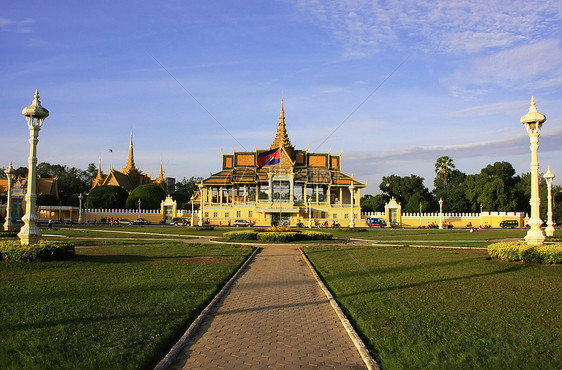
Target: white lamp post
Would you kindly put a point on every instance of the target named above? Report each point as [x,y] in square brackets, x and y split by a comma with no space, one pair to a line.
[351,216]
[138,215]
[549,176]
[35,114]
[200,186]
[192,199]
[80,208]
[309,213]
[533,121]
[10,174]
[440,213]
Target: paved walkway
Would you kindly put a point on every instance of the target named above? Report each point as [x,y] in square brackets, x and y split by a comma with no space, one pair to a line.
[274,315]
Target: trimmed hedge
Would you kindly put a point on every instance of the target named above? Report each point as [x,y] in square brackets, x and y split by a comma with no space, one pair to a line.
[276,236]
[317,235]
[241,235]
[8,234]
[516,251]
[45,250]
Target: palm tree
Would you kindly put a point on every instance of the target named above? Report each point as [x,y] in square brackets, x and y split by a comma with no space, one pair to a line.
[443,167]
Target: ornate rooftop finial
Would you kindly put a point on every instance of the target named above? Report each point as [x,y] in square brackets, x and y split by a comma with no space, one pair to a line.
[130,167]
[281,138]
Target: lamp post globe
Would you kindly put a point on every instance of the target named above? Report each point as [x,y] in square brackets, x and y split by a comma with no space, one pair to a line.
[549,177]
[533,121]
[35,114]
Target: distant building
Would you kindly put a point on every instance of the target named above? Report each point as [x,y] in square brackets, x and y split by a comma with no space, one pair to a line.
[130,177]
[19,188]
[302,183]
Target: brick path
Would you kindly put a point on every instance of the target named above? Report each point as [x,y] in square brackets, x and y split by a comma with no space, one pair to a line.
[274,315]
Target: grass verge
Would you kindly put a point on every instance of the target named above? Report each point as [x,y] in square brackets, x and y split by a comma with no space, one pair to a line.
[113,306]
[434,308]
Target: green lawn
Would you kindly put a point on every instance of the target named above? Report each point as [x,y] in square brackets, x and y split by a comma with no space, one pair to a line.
[434,308]
[116,305]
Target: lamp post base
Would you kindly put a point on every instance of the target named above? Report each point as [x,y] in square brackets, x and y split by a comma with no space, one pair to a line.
[29,235]
[535,235]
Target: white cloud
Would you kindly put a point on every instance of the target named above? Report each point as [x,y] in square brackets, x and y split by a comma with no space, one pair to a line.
[21,26]
[368,27]
[533,66]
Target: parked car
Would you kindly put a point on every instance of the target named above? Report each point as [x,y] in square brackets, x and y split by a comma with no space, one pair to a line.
[509,224]
[178,221]
[373,221]
[141,221]
[242,223]
[124,221]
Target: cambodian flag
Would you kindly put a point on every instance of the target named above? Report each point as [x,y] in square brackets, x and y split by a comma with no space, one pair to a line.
[270,157]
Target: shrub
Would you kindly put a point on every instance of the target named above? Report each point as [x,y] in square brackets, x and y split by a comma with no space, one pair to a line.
[8,234]
[241,235]
[317,235]
[269,236]
[515,251]
[45,250]
[505,251]
[199,228]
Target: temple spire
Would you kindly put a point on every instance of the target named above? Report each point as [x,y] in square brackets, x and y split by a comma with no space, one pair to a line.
[130,167]
[282,138]
[98,180]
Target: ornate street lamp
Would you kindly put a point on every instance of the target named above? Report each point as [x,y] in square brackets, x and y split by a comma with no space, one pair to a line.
[80,197]
[11,175]
[192,200]
[138,215]
[200,186]
[309,213]
[440,213]
[351,216]
[35,114]
[533,121]
[549,176]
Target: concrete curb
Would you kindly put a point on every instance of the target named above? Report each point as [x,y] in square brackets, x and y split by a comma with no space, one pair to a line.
[173,353]
[363,351]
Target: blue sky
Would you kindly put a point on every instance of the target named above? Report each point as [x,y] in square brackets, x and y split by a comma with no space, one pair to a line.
[392,85]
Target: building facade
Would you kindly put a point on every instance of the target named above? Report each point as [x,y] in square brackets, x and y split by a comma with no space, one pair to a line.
[303,188]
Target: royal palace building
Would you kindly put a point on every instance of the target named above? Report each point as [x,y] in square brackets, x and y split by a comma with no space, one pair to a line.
[281,186]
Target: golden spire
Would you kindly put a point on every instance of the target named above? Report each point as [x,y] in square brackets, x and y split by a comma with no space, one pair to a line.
[98,180]
[161,178]
[281,138]
[130,167]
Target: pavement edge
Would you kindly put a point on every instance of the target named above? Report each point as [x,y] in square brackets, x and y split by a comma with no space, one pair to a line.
[173,353]
[363,351]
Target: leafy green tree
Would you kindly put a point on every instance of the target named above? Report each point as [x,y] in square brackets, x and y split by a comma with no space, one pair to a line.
[454,198]
[71,180]
[107,196]
[150,196]
[185,189]
[47,200]
[370,203]
[496,187]
[404,189]
[443,167]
